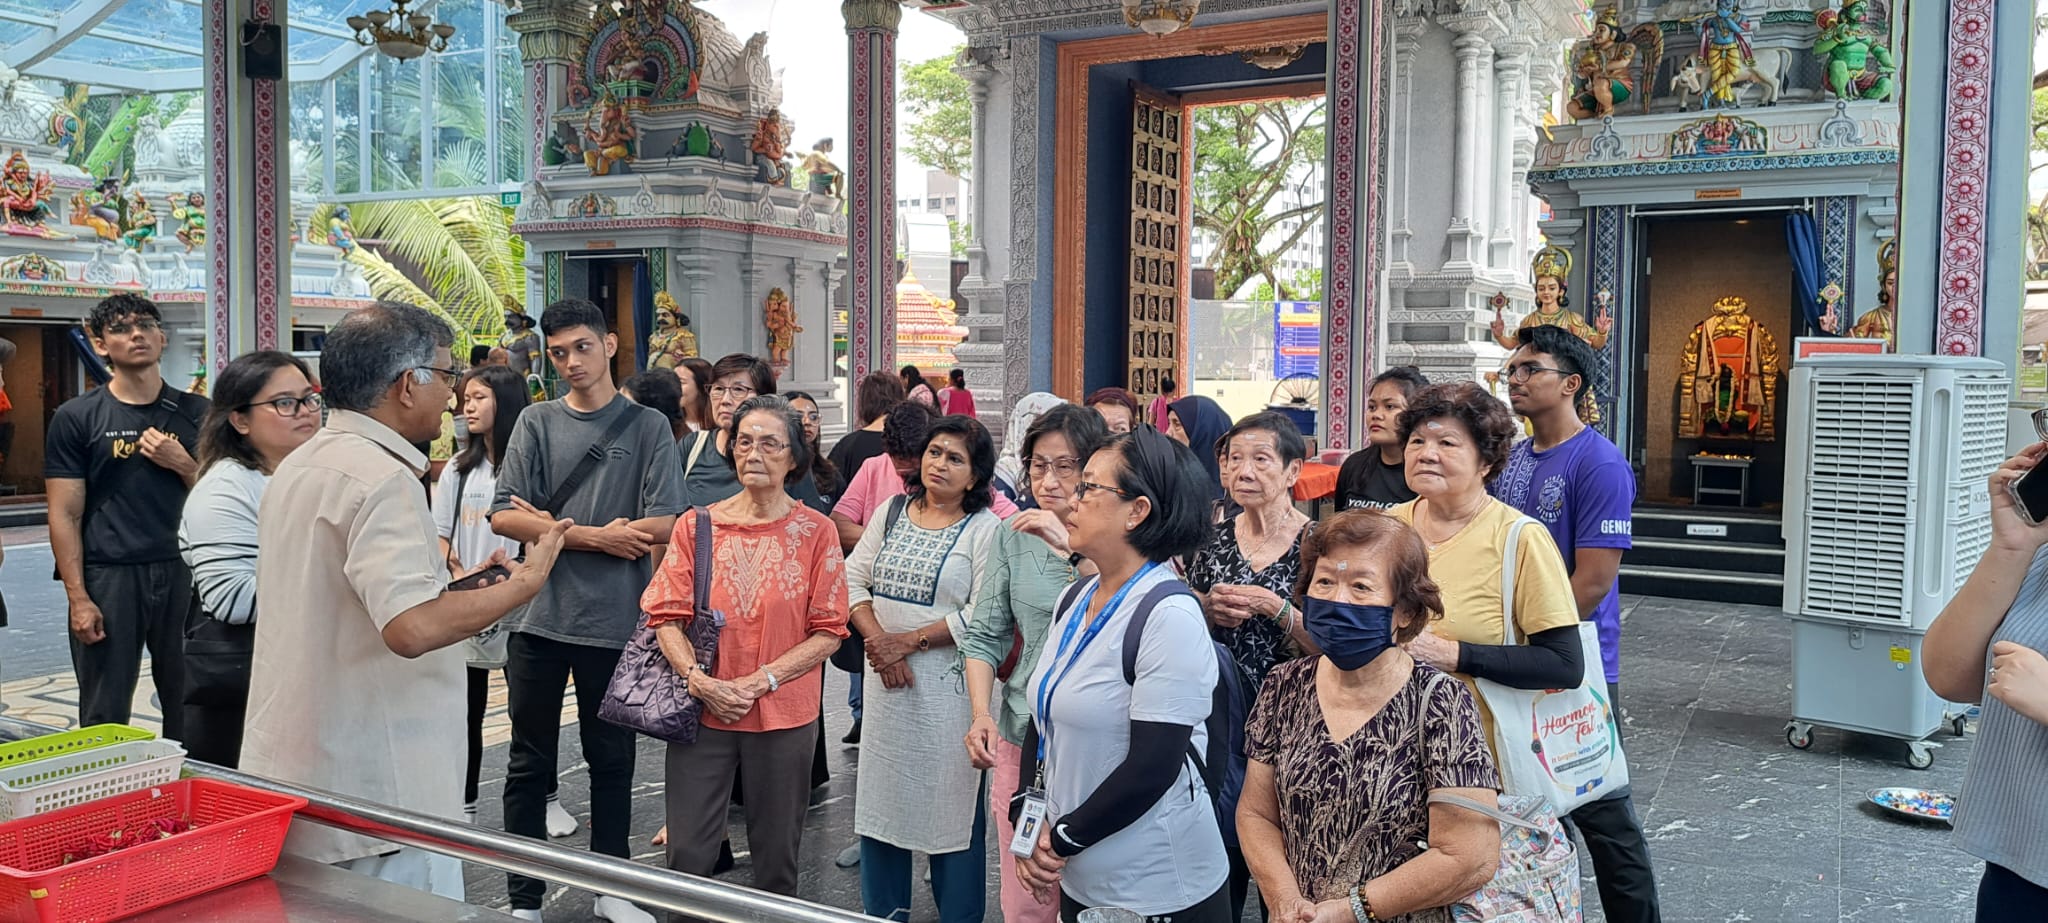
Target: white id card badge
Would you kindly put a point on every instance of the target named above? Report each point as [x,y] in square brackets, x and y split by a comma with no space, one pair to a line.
[1029,822]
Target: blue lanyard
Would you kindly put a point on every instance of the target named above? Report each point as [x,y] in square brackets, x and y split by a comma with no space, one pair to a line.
[1055,674]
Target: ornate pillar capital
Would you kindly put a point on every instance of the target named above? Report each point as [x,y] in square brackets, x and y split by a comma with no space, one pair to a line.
[885,15]
[547,35]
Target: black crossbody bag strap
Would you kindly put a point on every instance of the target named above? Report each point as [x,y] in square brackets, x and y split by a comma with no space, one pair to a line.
[588,463]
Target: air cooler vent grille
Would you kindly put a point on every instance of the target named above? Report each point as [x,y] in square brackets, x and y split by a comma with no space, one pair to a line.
[1983,449]
[1862,456]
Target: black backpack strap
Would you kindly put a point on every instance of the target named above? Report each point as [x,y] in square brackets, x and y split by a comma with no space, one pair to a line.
[584,466]
[1134,631]
[896,506]
[700,578]
[1067,597]
[168,406]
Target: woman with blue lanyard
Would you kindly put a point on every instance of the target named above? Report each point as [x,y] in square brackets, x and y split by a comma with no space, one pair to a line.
[1121,815]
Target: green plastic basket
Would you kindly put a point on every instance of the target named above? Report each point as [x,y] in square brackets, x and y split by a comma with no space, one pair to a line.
[48,745]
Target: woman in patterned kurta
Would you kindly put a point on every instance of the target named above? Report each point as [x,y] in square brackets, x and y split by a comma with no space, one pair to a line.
[1347,747]
[911,583]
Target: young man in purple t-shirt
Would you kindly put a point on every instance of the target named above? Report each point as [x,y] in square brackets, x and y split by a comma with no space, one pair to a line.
[1580,487]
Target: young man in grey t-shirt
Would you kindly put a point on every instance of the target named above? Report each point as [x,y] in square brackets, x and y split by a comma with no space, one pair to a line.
[624,509]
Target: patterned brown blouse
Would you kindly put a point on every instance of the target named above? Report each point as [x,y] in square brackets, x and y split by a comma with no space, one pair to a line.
[1354,810]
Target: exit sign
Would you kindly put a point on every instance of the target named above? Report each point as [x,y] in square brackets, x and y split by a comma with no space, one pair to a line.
[508,199]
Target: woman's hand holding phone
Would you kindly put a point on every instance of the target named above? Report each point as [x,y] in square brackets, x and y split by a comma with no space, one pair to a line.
[2013,526]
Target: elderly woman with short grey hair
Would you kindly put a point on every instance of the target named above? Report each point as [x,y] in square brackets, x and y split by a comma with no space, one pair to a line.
[777,575]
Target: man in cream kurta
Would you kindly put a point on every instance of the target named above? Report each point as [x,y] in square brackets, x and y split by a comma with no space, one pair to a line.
[347,545]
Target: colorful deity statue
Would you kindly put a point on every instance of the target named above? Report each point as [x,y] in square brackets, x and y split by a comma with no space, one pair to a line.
[1551,268]
[613,140]
[191,215]
[140,225]
[770,146]
[1859,62]
[341,235]
[1881,322]
[99,208]
[825,176]
[672,340]
[1725,51]
[696,141]
[1603,66]
[1728,377]
[780,317]
[521,343]
[552,153]
[25,198]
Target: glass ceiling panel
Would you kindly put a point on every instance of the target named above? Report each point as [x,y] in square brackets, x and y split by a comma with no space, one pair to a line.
[166,21]
[95,48]
[41,8]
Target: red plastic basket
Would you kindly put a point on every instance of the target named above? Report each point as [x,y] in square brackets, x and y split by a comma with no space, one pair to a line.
[236,835]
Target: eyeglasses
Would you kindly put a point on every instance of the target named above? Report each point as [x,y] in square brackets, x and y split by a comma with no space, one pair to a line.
[765,446]
[1081,492]
[453,375]
[1526,371]
[2041,424]
[289,406]
[145,325]
[732,391]
[1066,469]
[811,417]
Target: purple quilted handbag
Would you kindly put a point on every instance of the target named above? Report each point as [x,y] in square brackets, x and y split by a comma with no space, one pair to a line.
[646,693]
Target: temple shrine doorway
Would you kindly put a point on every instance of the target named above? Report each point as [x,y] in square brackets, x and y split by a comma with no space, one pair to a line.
[616,281]
[1726,430]
[1123,207]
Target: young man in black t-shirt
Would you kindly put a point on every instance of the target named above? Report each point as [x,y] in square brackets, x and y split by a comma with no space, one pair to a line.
[118,462]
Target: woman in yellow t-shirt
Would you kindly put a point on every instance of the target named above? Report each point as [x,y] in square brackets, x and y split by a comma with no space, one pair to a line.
[1457,438]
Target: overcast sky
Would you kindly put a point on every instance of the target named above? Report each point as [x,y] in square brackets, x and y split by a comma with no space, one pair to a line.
[807,42]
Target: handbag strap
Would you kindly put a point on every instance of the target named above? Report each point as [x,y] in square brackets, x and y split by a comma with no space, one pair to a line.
[1441,797]
[588,463]
[1507,578]
[700,579]
[703,436]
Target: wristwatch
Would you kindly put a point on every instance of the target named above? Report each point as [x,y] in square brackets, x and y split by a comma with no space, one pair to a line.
[1360,907]
[923,643]
[772,684]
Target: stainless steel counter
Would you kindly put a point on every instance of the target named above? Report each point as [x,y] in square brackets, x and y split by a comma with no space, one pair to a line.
[303,891]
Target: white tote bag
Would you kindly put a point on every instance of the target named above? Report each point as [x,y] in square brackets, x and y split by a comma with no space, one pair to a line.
[1562,745]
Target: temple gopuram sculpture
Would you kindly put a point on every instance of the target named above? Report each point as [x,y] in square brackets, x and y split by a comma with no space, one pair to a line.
[1726,59]
[1881,323]
[780,318]
[1551,267]
[770,145]
[341,235]
[140,226]
[1859,62]
[927,328]
[696,141]
[672,340]
[612,141]
[521,342]
[1728,378]
[1604,67]
[825,176]
[191,215]
[25,199]
[99,208]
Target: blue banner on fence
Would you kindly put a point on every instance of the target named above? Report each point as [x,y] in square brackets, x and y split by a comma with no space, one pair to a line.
[1297,339]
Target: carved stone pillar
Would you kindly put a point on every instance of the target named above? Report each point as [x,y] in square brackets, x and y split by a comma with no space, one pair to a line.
[1509,70]
[1467,240]
[1407,43]
[871,181]
[248,244]
[981,356]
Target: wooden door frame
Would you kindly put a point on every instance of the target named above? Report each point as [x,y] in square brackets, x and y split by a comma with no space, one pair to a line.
[1070,169]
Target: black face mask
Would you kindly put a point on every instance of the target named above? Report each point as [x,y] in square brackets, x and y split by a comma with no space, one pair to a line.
[1350,635]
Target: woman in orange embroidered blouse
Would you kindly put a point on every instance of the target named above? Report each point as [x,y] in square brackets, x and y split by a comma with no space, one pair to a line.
[778,578]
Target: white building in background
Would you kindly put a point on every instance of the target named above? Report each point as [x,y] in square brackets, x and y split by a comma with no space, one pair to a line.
[1305,187]
[940,194]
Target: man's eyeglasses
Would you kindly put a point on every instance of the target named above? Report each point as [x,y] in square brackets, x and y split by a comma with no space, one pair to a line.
[2041,424]
[1526,371]
[1063,468]
[1081,492]
[741,392]
[766,446]
[453,375]
[288,406]
[145,325]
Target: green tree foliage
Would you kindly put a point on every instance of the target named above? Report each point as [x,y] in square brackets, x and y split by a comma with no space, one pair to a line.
[1307,286]
[2037,211]
[940,116]
[1245,156]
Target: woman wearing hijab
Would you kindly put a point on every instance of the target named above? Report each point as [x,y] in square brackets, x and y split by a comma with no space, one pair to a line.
[1010,478]
[1199,423]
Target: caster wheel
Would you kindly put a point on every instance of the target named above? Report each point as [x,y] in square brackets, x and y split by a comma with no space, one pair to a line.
[1919,757]
[1958,724]
[1801,738]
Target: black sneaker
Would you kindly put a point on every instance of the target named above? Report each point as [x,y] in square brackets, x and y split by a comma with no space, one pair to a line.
[725,860]
[852,737]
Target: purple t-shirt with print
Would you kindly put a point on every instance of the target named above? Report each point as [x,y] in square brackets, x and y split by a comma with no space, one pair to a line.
[1582,491]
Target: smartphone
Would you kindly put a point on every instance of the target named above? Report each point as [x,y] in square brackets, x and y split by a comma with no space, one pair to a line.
[482,578]
[2030,494]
